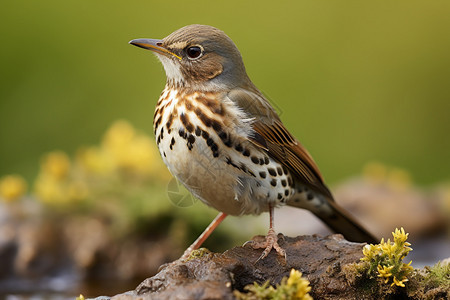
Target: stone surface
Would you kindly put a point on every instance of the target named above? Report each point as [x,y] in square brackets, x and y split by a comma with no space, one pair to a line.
[382,206]
[215,276]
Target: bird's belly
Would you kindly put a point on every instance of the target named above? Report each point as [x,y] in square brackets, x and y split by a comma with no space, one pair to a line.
[205,144]
[231,181]
[202,174]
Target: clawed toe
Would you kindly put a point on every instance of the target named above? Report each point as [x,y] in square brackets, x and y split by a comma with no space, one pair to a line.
[270,242]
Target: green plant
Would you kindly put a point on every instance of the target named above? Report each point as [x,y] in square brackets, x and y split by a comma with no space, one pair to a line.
[385,260]
[293,288]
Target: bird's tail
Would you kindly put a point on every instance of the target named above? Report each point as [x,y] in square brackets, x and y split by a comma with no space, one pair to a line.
[335,217]
[341,221]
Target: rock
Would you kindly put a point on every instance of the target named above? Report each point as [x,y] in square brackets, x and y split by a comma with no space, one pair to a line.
[216,275]
[383,206]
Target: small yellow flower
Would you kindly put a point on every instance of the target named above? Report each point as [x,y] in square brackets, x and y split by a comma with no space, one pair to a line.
[294,277]
[387,248]
[386,259]
[94,160]
[300,284]
[384,271]
[128,149]
[399,235]
[141,155]
[399,282]
[375,172]
[407,267]
[399,179]
[12,187]
[49,190]
[118,137]
[77,190]
[56,165]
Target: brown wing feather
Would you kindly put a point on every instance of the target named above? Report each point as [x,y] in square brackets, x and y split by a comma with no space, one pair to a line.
[287,150]
[273,137]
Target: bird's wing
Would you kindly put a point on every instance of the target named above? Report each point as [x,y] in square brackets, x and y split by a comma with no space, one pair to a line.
[272,136]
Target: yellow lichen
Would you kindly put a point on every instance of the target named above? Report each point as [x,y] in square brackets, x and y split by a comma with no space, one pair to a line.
[299,284]
[385,260]
[125,149]
[93,160]
[123,154]
[12,188]
[395,178]
[198,253]
[375,172]
[385,272]
[56,165]
[399,179]
[294,288]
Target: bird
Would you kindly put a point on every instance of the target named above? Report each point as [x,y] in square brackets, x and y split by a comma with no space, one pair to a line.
[222,139]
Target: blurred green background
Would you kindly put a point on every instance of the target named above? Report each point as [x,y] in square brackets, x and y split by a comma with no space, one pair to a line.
[355,81]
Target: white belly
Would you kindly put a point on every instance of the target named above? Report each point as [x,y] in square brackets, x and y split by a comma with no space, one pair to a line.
[230,175]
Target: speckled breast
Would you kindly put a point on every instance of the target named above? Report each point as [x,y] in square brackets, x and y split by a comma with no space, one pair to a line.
[203,140]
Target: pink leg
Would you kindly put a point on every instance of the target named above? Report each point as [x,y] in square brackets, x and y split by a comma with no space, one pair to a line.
[205,234]
[271,240]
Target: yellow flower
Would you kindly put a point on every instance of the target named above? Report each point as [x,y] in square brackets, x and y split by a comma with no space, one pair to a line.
[387,248]
[375,172]
[117,139]
[56,165]
[77,190]
[399,282]
[386,258]
[141,154]
[125,149]
[49,190]
[407,267]
[12,187]
[369,251]
[385,271]
[300,284]
[94,160]
[294,277]
[399,179]
[400,235]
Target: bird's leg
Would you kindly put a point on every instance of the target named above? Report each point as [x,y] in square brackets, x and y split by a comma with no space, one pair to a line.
[271,240]
[205,234]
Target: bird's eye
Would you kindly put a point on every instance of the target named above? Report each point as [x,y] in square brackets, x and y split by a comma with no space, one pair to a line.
[194,52]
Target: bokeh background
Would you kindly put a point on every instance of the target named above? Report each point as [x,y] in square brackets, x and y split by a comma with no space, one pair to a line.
[355,81]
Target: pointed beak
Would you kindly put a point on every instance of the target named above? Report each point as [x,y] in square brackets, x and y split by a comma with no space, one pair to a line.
[153,45]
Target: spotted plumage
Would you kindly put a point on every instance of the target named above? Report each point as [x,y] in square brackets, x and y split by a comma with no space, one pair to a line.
[222,139]
[198,147]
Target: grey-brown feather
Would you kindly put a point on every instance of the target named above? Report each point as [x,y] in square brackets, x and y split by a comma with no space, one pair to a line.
[218,48]
[283,147]
[221,70]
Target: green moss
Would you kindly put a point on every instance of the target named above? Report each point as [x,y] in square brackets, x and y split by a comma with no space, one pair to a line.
[438,276]
[198,253]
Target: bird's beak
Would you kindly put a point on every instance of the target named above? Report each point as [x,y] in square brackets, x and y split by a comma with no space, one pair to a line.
[153,45]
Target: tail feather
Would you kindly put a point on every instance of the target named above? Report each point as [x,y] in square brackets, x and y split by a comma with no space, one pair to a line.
[341,221]
[334,216]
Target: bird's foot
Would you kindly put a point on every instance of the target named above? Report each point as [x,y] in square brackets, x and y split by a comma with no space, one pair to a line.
[270,242]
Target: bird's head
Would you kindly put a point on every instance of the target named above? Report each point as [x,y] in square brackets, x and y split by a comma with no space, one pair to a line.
[200,57]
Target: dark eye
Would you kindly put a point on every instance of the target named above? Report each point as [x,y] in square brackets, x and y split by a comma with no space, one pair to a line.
[194,52]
